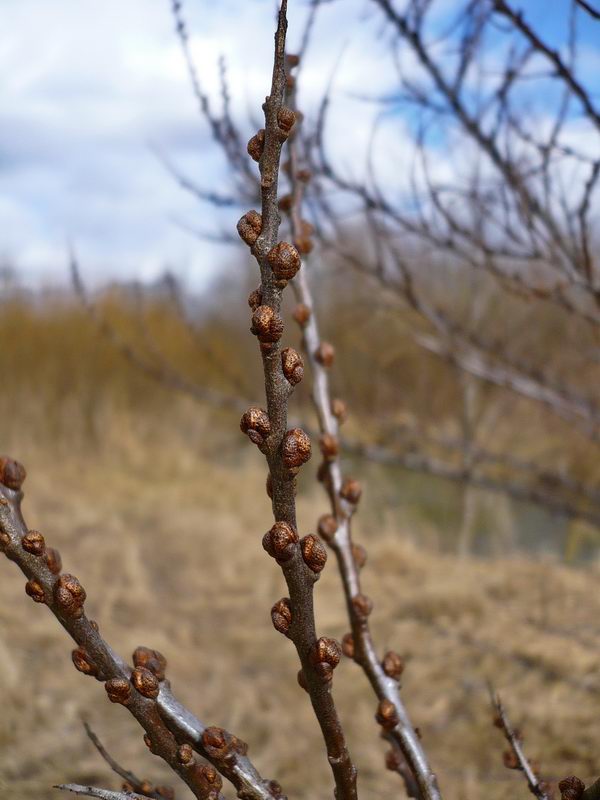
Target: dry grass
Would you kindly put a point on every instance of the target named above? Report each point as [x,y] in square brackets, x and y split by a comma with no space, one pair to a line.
[167,543]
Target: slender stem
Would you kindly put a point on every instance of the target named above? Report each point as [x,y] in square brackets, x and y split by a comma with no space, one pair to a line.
[299,577]
[386,688]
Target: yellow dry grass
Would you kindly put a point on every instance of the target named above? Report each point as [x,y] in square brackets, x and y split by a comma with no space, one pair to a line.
[162,519]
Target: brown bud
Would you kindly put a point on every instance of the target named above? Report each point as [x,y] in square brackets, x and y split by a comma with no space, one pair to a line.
[360,555]
[292,60]
[327,651]
[4,540]
[12,474]
[210,779]
[255,299]
[33,542]
[275,790]
[292,365]
[362,604]
[269,486]
[510,760]
[286,119]
[118,690]
[82,662]
[304,175]
[386,715]
[351,490]
[348,648]
[266,324]
[290,83]
[94,625]
[327,527]
[214,739]
[152,660]
[166,792]
[571,788]
[339,409]
[69,595]
[145,682]
[325,354]
[53,560]
[302,680]
[296,449]
[255,423]
[303,244]
[185,754]
[36,591]
[279,542]
[284,260]
[393,761]
[313,553]
[281,615]
[306,228]
[329,446]
[286,202]
[146,788]
[301,314]
[249,227]
[393,664]
[256,145]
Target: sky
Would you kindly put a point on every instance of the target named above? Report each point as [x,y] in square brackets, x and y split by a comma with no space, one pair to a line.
[90,91]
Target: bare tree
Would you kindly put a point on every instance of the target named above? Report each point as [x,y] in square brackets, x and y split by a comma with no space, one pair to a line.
[200,755]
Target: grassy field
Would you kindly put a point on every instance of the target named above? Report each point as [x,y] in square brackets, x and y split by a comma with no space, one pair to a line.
[162,522]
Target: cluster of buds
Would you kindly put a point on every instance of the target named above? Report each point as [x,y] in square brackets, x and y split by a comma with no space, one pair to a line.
[151,660]
[348,646]
[301,314]
[267,326]
[12,474]
[330,447]
[83,663]
[280,542]
[118,690]
[284,261]
[249,227]
[393,665]
[295,448]
[387,714]
[351,491]
[292,365]
[325,354]
[302,240]
[327,527]
[571,788]
[313,553]
[220,744]
[255,423]
[145,682]
[69,595]
[256,145]
[281,615]
[362,605]
[326,656]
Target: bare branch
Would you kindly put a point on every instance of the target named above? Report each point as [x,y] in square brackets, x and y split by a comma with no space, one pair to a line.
[172,732]
[94,791]
[286,450]
[515,758]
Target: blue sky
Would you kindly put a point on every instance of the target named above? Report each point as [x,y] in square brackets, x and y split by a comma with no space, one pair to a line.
[89,89]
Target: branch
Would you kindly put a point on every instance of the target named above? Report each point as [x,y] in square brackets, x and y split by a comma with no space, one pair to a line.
[515,758]
[407,755]
[93,791]
[286,450]
[137,785]
[172,732]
